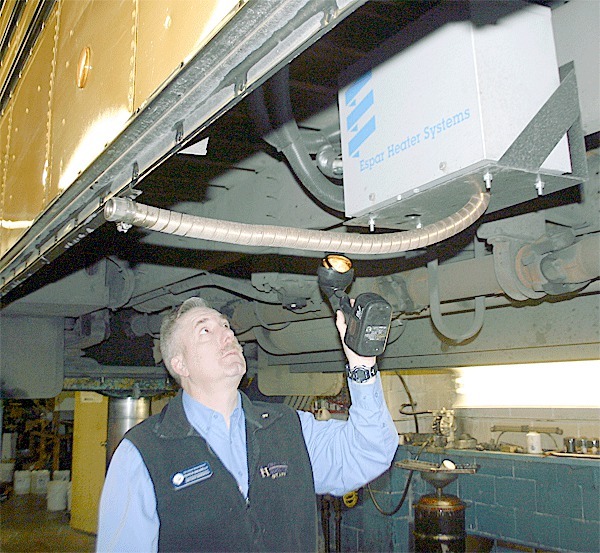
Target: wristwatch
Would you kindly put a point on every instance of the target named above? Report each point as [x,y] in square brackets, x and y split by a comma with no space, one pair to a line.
[361,373]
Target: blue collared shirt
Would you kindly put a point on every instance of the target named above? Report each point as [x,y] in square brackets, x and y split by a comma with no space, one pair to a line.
[344,455]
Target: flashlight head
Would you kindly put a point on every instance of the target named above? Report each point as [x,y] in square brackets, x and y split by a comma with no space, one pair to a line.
[335,274]
[340,263]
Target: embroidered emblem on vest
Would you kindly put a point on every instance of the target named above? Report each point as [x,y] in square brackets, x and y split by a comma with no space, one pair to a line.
[274,470]
[192,475]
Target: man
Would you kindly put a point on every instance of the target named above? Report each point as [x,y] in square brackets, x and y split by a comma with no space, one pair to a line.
[217,472]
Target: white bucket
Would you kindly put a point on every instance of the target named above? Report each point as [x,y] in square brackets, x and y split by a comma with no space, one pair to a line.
[39,481]
[22,482]
[6,471]
[61,475]
[57,495]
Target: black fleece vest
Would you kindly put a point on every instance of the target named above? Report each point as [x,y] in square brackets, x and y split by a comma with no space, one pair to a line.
[199,504]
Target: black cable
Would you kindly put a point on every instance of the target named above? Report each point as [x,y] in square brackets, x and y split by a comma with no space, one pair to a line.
[399,506]
[410,474]
[412,403]
[404,493]
[403,411]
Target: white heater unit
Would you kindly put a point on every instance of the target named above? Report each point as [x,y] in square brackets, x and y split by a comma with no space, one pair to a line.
[440,105]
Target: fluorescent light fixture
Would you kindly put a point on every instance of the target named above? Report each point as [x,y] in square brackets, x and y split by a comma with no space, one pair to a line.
[560,384]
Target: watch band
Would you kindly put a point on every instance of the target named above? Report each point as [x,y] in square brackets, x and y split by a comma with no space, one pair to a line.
[361,373]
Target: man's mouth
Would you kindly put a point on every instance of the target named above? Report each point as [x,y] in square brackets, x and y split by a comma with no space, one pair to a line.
[231,350]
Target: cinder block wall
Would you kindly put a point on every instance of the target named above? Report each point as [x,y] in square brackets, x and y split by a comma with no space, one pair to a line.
[434,390]
[574,422]
[541,502]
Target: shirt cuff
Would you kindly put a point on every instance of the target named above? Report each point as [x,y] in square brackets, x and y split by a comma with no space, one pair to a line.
[368,393]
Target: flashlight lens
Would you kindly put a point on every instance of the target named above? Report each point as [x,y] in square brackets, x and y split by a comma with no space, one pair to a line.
[338,262]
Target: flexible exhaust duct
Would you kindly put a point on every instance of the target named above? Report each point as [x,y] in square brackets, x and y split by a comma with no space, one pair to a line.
[243,234]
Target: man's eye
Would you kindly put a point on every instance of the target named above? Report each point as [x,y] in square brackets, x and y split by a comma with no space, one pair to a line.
[204,330]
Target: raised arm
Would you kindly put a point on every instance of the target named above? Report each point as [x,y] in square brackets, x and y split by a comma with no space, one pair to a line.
[346,455]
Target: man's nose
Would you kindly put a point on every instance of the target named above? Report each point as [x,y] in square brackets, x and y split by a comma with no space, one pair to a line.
[228,335]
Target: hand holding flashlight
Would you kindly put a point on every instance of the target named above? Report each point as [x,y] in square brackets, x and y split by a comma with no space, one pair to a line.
[354,359]
[368,317]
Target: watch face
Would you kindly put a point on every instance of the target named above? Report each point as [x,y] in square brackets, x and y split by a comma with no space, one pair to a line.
[362,373]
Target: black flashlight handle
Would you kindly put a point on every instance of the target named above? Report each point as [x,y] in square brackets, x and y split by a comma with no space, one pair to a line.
[345,305]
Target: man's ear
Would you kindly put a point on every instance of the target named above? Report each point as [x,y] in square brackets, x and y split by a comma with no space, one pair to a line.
[178,366]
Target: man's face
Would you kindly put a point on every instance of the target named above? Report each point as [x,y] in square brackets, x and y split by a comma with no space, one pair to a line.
[210,352]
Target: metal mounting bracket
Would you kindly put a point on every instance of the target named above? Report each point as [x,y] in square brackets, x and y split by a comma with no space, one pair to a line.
[434,303]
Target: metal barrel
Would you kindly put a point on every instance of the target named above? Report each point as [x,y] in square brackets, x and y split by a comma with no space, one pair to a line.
[440,524]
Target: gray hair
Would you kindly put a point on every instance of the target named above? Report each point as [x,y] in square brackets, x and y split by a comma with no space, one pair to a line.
[170,345]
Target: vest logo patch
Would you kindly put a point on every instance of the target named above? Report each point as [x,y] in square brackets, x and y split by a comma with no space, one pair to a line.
[274,470]
[191,475]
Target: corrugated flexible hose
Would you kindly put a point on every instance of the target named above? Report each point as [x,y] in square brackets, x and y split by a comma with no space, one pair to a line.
[192,226]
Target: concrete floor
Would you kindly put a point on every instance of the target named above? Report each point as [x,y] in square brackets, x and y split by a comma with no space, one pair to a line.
[27,526]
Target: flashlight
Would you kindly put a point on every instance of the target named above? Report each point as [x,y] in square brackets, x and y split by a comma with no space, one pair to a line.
[368,319]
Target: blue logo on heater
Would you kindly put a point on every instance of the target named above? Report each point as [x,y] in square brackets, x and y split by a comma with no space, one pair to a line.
[359,97]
